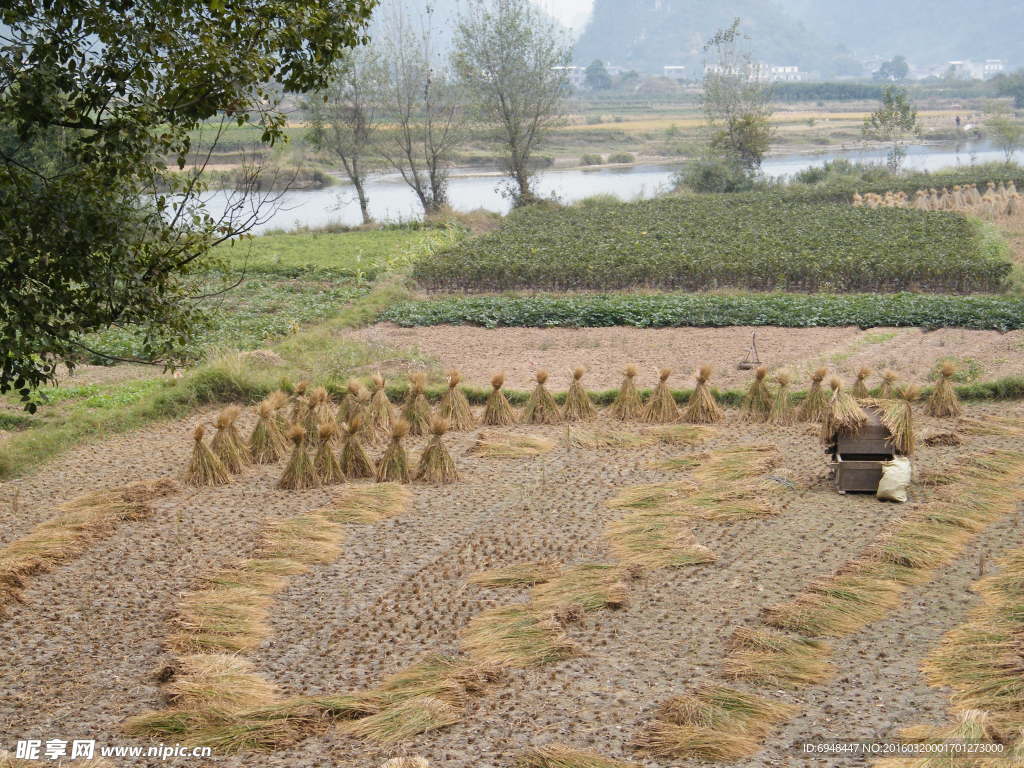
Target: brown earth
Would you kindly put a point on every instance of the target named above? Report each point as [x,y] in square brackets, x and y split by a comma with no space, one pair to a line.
[81,652]
[480,352]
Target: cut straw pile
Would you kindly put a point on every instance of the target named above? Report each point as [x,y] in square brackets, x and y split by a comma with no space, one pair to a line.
[267,443]
[843,416]
[943,402]
[355,462]
[782,412]
[661,407]
[496,445]
[702,408]
[627,405]
[299,474]
[541,408]
[204,468]
[436,465]
[454,406]
[860,385]
[578,406]
[393,466]
[83,520]
[815,405]
[325,463]
[498,412]
[757,402]
[380,414]
[416,409]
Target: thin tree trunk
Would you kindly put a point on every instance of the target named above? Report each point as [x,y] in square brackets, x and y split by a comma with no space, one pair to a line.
[364,201]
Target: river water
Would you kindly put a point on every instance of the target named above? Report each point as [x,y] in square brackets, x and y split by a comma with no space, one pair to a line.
[392,200]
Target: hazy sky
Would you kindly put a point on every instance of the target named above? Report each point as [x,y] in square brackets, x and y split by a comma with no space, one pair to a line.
[572,13]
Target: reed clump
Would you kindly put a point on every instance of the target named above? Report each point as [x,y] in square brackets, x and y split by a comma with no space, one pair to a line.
[661,407]
[627,405]
[299,474]
[436,464]
[204,467]
[702,408]
[815,405]
[541,408]
[498,412]
[454,406]
[578,405]
[393,466]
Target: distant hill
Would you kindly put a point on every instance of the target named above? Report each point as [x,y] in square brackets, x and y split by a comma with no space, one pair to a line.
[649,34]
[927,32]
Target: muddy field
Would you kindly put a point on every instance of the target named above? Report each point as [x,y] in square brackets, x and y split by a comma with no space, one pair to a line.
[479,353]
[81,652]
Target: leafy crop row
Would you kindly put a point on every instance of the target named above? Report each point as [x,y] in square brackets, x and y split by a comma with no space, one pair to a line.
[757,241]
[1001,313]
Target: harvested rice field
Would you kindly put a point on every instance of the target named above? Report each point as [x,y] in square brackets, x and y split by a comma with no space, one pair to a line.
[910,352]
[590,595]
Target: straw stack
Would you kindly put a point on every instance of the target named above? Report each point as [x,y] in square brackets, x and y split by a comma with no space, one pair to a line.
[860,386]
[702,408]
[661,407]
[454,406]
[815,405]
[299,473]
[627,405]
[888,388]
[325,463]
[436,464]
[394,464]
[541,407]
[205,468]
[227,444]
[843,415]
[498,412]
[380,414]
[757,403]
[578,406]
[416,409]
[354,460]
[782,411]
[267,443]
[944,403]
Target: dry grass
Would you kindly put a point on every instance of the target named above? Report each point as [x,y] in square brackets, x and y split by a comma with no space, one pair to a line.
[393,466]
[757,403]
[562,756]
[943,402]
[454,406]
[541,407]
[436,464]
[518,575]
[516,636]
[498,412]
[495,445]
[416,409]
[714,723]
[578,406]
[661,407]
[204,468]
[769,658]
[627,405]
[267,443]
[299,473]
[815,405]
[368,503]
[702,408]
[85,519]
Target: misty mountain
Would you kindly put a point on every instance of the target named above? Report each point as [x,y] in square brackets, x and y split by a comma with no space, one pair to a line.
[927,32]
[649,34]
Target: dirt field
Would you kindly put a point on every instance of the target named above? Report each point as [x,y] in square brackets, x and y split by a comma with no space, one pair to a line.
[80,653]
[479,353]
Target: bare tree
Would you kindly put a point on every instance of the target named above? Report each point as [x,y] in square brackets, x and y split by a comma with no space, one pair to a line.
[509,56]
[423,110]
[344,117]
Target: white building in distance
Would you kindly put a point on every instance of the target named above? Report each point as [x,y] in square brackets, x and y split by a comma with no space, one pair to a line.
[674,72]
[761,73]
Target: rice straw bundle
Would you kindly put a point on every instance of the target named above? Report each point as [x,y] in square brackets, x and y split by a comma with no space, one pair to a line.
[454,407]
[351,403]
[416,409]
[380,415]
[227,444]
[278,400]
[860,386]
[541,407]
[814,406]
[205,468]
[436,464]
[319,411]
[578,406]
[627,405]
[702,408]
[782,411]
[299,403]
[498,412]
[910,392]
[325,463]
[757,403]
[299,474]
[897,417]
[661,407]
[943,402]
[394,464]
[843,415]
[354,460]
[888,388]
[267,442]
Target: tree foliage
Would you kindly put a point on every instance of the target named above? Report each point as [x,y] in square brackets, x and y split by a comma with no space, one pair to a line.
[894,122]
[505,54]
[597,77]
[895,70]
[94,95]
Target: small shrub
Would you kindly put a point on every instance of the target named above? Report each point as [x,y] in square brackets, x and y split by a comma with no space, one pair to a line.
[621,157]
[590,159]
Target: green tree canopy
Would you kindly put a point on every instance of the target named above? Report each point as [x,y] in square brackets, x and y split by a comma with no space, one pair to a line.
[597,77]
[894,70]
[95,95]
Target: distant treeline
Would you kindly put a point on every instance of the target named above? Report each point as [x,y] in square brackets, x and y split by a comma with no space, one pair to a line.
[825,91]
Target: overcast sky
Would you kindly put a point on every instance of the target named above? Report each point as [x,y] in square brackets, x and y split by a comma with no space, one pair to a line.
[572,13]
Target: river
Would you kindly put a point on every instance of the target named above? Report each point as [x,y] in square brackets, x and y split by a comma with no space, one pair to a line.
[392,200]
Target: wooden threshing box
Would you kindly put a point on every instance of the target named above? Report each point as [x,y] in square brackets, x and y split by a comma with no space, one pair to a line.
[857,458]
